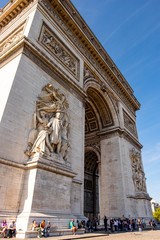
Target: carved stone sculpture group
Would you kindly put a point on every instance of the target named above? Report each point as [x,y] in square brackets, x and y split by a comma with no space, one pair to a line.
[137,170]
[51,125]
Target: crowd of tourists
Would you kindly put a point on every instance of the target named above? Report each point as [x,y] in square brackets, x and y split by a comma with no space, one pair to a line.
[126,224]
[114,225]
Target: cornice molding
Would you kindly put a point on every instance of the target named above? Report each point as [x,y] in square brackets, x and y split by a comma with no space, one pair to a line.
[12,163]
[113,132]
[41,163]
[122,133]
[141,195]
[11,10]
[50,166]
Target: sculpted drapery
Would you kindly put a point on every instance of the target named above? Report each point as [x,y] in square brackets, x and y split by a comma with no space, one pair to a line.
[51,125]
[138,174]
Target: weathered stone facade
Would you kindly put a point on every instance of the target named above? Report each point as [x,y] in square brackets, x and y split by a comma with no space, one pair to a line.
[68,126]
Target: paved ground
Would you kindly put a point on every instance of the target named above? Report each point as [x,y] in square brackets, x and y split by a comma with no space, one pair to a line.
[146,235]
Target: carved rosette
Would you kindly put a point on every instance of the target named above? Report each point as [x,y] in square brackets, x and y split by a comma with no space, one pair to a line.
[50,136]
[138,174]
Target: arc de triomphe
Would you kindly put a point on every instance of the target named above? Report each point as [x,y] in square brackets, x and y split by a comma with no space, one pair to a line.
[68,136]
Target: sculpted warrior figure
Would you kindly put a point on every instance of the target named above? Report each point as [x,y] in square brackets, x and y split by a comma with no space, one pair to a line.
[51,125]
[56,134]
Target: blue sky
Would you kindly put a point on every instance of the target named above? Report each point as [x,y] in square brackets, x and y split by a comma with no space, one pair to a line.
[129,30]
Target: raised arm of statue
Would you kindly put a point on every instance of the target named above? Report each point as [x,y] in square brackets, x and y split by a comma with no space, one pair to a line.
[39,117]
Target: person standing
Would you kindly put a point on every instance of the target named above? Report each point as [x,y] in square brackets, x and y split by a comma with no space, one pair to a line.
[105,223]
[116,225]
[151,224]
[111,224]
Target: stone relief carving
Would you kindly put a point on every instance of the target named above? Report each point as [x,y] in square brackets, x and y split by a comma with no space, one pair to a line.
[53,44]
[87,73]
[138,174]
[51,125]
[12,39]
[129,124]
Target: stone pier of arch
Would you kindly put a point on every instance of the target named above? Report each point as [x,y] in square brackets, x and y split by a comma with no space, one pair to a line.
[68,122]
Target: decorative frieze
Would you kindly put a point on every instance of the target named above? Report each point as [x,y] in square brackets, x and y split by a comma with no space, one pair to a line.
[54,46]
[130,124]
[11,39]
[138,174]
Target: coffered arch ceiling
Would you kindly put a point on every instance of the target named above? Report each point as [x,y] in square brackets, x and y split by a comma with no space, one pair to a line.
[97,113]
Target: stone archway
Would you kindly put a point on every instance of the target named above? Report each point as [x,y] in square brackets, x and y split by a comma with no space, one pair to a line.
[91,184]
[98,118]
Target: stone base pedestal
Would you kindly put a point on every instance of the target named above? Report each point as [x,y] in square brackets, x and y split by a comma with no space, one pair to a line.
[46,194]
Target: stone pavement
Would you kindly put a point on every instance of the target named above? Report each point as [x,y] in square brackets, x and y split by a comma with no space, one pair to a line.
[145,235]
